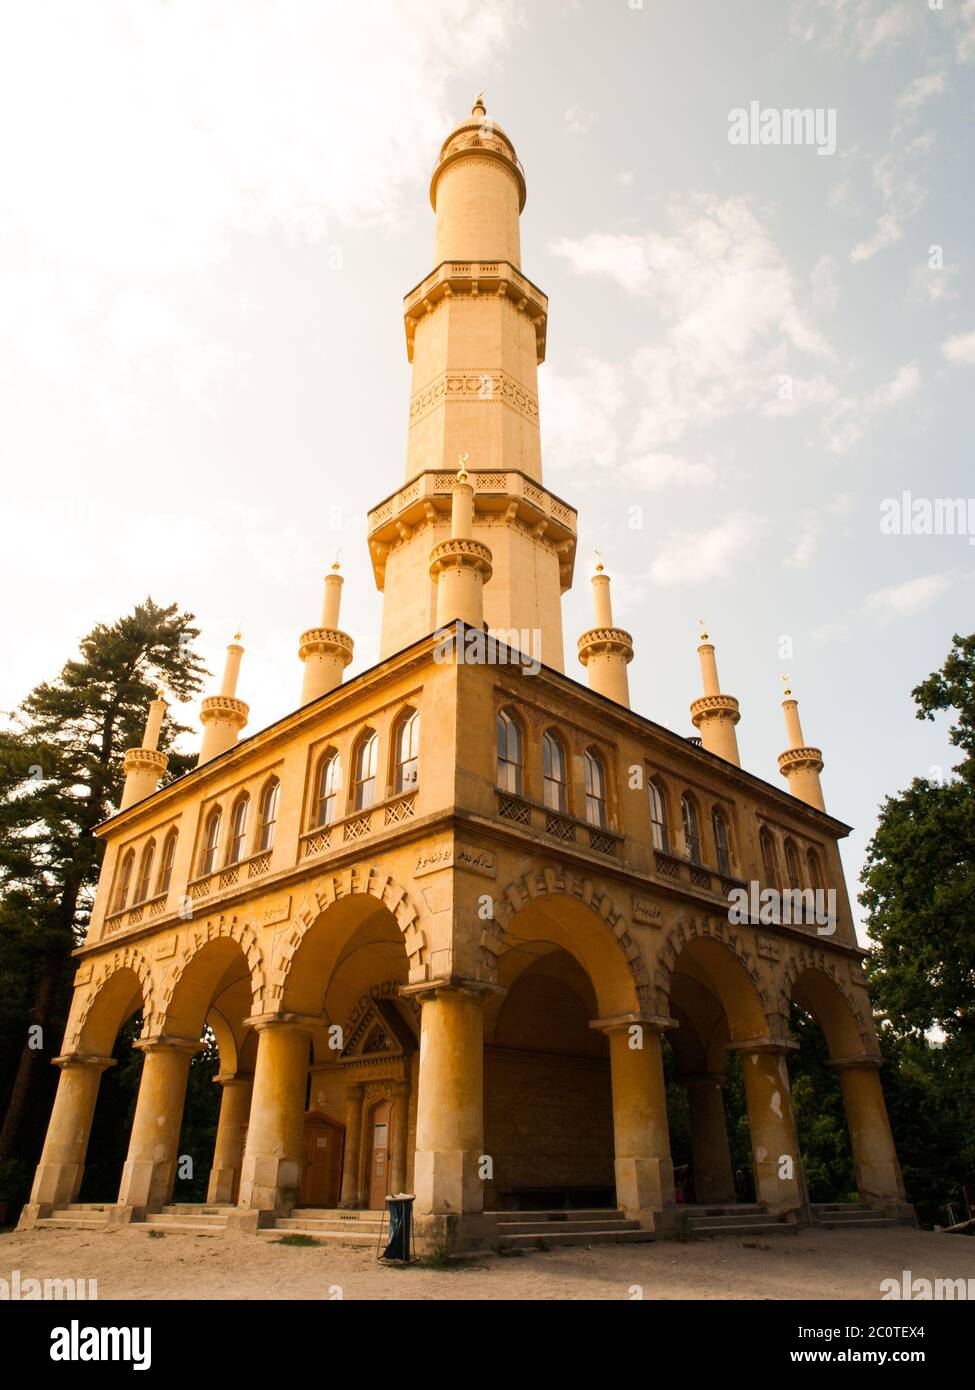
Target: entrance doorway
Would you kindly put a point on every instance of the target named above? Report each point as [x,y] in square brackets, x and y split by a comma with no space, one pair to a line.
[321,1172]
[380,1144]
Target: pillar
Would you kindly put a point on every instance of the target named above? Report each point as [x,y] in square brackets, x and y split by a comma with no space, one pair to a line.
[644,1169]
[450,1102]
[150,1167]
[401,1124]
[62,1164]
[228,1149]
[714,1178]
[878,1172]
[775,1148]
[353,1144]
[271,1167]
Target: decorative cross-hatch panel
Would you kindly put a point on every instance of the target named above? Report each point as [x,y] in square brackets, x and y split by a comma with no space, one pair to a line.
[511,809]
[259,866]
[230,877]
[700,877]
[200,890]
[668,867]
[355,829]
[560,827]
[315,844]
[400,810]
[605,844]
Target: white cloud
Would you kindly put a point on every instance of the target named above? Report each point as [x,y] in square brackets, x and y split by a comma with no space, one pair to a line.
[692,557]
[864,27]
[908,599]
[916,94]
[656,471]
[580,415]
[579,122]
[902,195]
[901,388]
[848,417]
[960,349]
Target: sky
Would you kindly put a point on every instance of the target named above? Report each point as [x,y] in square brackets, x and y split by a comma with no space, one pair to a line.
[210,212]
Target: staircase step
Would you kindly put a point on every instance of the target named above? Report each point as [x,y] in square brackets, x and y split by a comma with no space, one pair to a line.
[60,1223]
[725,1227]
[348,1237]
[697,1223]
[192,1209]
[337,1214]
[595,1236]
[548,1228]
[561,1215]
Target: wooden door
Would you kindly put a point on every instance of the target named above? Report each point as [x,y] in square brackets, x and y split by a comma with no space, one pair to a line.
[380,1146]
[321,1173]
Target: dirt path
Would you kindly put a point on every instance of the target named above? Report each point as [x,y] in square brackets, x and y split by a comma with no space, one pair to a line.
[130,1264]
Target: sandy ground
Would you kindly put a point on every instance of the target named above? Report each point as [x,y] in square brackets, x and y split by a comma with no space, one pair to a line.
[128,1263]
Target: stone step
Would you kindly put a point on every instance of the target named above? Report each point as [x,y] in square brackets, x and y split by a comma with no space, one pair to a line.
[758,1218]
[193,1209]
[845,1224]
[721,1208]
[597,1235]
[728,1227]
[176,1221]
[336,1214]
[306,1223]
[559,1216]
[352,1237]
[73,1216]
[59,1223]
[547,1228]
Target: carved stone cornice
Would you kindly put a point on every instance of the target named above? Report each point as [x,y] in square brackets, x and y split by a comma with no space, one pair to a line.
[145,760]
[461,552]
[322,641]
[226,708]
[600,641]
[714,707]
[800,759]
[497,279]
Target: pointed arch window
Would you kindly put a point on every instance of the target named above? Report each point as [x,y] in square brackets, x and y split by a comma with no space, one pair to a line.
[328,787]
[692,829]
[168,859]
[722,847]
[124,879]
[407,751]
[365,771]
[145,873]
[211,839]
[238,829]
[658,815]
[791,864]
[815,870]
[553,771]
[770,863]
[509,753]
[595,785]
[268,814]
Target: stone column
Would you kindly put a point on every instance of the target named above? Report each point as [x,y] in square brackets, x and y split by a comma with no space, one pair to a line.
[878,1172]
[714,1179]
[775,1148]
[228,1148]
[150,1168]
[644,1169]
[271,1167]
[450,1100]
[353,1142]
[62,1164]
[401,1122]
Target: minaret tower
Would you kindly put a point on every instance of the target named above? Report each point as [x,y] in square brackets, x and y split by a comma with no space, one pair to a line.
[223,716]
[461,565]
[605,650]
[714,714]
[475,334]
[145,766]
[325,650]
[800,764]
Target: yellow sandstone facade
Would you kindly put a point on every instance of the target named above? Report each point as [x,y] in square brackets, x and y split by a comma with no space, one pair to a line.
[445,917]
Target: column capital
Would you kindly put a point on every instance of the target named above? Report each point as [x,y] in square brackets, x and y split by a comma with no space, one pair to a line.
[864,1063]
[162,1043]
[233,1078]
[83,1059]
[621,1023]
[771,1047]
[453,985]
[306,1022]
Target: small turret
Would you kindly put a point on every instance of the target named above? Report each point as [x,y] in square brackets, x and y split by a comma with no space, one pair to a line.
[715,714]
[223,716]
[145,766]
[605,650]
[325,650]
[800,764]
[461,565]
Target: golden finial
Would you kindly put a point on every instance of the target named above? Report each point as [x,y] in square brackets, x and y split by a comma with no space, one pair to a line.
[462,460]
[787,691]
[599,560]
[237,635]
[478,109]
[161,692]
[704,635]
[335,563]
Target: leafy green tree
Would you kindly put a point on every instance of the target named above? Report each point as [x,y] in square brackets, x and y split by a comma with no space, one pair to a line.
[60,775]
[919,892]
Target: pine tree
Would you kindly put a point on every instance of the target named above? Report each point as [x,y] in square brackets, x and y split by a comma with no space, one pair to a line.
[60,775]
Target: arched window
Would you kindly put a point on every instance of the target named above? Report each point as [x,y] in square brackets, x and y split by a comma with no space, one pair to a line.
[770,862]
[168,858]
[815,871]
[791,864]
[365,771]
[211,838]
[268,814]
[595,783]
[721,847]
[327,788]
[238,829]
[407,750]
[692,829]
[124,879]
[553,771]
[509,753]
[145,873]
[658,815]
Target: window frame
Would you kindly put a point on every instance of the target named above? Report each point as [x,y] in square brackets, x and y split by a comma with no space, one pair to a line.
[124,881]
[722,841]
[551,742]
[166,861]
[143,878]
[690,816]
[266,825]
[407,726]
[659,829]
[509,722]
[591,760]
[329,759]
[367,740]
[211,843]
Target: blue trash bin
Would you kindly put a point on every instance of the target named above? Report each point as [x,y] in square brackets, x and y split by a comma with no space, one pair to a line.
[400,1227]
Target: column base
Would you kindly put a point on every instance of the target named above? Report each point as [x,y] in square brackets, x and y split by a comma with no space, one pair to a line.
[32,1212]
[147,1186]
[644,1186]
[447,1182]
[57,1184]
[249,1222]
[269,1184]
[220,1189]
[455,1235]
